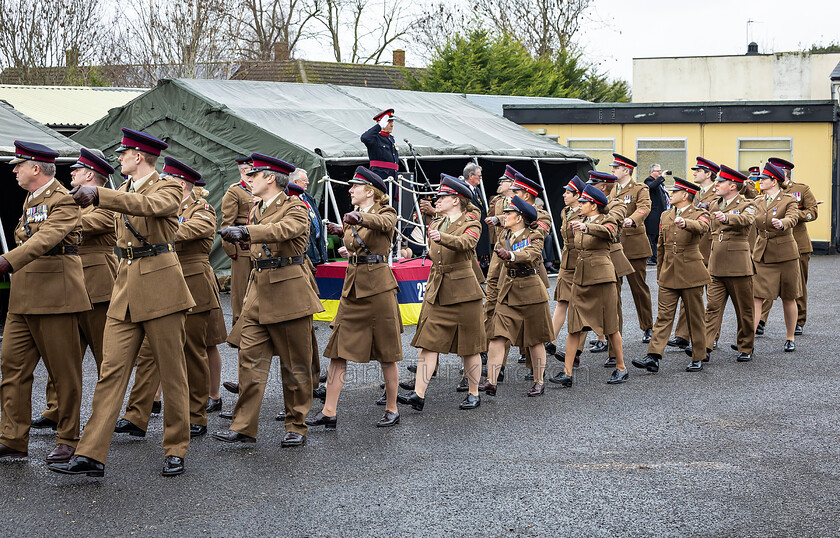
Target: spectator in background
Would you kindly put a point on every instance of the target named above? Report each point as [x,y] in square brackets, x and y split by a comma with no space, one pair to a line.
[658,204]
[317,250]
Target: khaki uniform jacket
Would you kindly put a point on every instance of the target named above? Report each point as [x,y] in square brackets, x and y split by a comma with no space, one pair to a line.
[236,205]
[151,287]
[47,284]
[377,231]
[282,230]
[704,202]
[594,265]
[807,205]
[772,245]
[636,198]
[452,278]
[527,249]
[97,252]
[679,262]
[749,191]
[495,208]
[617,212]
[731,254]
[193,243]
[569,256]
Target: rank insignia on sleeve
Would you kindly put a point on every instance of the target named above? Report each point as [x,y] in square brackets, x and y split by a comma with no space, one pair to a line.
[542,225]
[471,232]
[472,216]
[704,218]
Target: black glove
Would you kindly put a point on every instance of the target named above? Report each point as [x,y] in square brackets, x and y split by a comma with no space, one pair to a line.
[354,217]
[502,253]
[235,234]
[85,195]
[5,266]
[334,229]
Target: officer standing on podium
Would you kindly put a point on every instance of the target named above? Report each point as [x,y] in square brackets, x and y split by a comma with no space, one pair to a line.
[381,146]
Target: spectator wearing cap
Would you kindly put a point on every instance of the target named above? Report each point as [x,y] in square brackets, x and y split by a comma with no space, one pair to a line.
[730,262]
[807,206]
[681,275]
[100,267]
[47,294]
[381,146]
[593,305]
[236,203]
[150,300]
[193,243]
[522,317]
[636,199]
[450,318]
[776,254]
[368,324]
[279,304]
[658,204]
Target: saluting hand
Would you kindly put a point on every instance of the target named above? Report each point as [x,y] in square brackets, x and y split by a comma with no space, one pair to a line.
[353,217]
[85,195]
[235,234]
[334,229]
[680,222]
[720,216]
[5,266]
[502,253]
[434,235]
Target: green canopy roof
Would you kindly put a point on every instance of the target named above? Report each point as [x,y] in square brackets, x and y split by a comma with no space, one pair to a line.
[17,126]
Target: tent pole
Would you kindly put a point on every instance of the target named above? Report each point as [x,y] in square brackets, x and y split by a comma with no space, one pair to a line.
[391,199]
[334,204]
[548,208]
[326,200]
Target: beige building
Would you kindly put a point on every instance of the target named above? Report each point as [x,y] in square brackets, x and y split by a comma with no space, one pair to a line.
[782,76]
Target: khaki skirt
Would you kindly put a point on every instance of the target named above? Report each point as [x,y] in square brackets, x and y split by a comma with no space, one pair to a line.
[773,280]
[216,329]
[367,329]
[563,289]
[457,328]
[523,326]
[594,308]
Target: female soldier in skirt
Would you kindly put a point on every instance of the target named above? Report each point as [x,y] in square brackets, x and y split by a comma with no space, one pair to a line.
[775,254]
[451,316]
[368,324]
[522,316]
[594,302]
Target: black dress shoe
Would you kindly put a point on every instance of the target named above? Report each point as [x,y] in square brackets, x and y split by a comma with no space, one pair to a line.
[618,376]
[562,379]
[293,439]
[646,336]
[734,347]
[322,420]
[320,392]
[60,454]
[470,402]
[463,385]
[213,405]
[227,415]
[789,346]
[124,426]
[231,386]
[649,363]
[79,465]
[537,389]
[322,377]
[598,347]
[230,436]
[759,331]
[416,402]
[679,342]
[694,366]
[689,350]
[156,407]
[798,330]
[6,452]
[197,431]
[173,465]
[408,385]
[383,400]
[487,387]
[42,423]
[501,376]
[280,417]
[610,362]
[413,369]
[550,348]
[522,359]
[744,357]
[388,419]
[529,375]
[651,262]
[714,346]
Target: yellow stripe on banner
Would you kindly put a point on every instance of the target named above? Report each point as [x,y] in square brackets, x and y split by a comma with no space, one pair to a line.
[409,312]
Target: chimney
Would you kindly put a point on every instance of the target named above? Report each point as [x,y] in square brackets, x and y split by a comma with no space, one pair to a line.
[281,51]
[752,49]
[399,57]
[71,57]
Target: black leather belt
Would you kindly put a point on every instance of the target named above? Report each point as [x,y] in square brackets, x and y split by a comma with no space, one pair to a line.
[63,249]
[144,252]
[522,272]
[369,258]
[274,263]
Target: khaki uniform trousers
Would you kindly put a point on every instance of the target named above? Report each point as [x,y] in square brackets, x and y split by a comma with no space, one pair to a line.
[740,289]
[146,377]
[292,342]
[240,268]
[91,329]
[120,346]
[641,292]
[802,301]
[667,311]
[26,339]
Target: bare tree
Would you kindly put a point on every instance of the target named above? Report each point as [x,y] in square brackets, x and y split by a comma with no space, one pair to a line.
[367,27]
[271,29]
[437,23]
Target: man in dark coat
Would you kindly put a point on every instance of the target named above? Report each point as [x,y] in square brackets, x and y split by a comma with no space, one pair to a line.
[658,204]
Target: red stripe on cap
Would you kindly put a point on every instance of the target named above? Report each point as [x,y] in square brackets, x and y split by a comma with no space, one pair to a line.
[589,198]
[726,175]
[363,178]
[685,188]
[444,190]
[525,187]
[623,163]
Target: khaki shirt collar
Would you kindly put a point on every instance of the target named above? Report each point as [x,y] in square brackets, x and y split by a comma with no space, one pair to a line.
[41,190]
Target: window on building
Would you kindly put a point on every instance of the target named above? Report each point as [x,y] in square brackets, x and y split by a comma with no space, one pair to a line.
[756,151]
[670,153]
[597,148]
